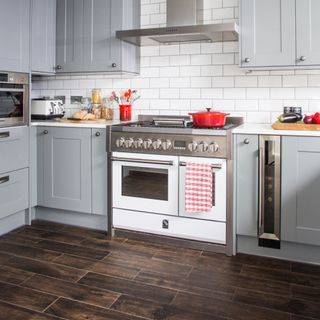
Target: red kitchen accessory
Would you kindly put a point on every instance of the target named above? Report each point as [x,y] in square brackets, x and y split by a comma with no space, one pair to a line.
[125,112]
[209,119]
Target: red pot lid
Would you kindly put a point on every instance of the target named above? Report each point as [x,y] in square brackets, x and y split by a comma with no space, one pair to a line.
[210,112]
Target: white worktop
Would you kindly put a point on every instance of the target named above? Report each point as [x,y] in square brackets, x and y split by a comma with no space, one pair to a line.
[257,128]
[92,124]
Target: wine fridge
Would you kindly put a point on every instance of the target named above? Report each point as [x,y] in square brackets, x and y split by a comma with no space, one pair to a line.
[269,191]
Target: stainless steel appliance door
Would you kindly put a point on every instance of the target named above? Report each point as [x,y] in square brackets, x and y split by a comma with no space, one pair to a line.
[269,191]
[219,173]
[13,104]
[144,182]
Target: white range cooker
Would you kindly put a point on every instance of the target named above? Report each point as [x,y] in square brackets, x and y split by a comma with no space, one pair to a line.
[147,164]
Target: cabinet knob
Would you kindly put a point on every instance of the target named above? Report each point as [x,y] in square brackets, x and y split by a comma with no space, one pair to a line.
[303,58]
[114,65]
[246,60]
[246,141]
[58,67]
[45,131]
[98,134]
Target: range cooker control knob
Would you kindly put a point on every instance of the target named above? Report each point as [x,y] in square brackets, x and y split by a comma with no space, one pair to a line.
[128,143]
[147,144]
[138,143]
[193,146]
[213,147]
[166,145]
[203,147]
[156,144]
[120,142]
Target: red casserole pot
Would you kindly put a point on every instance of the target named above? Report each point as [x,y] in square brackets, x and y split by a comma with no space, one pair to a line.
[209,119]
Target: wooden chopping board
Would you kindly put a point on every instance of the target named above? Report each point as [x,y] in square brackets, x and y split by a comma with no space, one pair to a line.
[296,126]
[81,121]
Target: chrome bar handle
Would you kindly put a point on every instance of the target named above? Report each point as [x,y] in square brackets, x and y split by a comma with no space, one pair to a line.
[5,134]
[4,179]
[147,161]
[216,166]
[261,190]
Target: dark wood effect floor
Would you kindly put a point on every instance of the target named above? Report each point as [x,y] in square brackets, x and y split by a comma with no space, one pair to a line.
[52,271]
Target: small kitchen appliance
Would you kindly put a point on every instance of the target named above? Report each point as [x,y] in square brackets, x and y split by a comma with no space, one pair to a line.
[46,109]
[147,163]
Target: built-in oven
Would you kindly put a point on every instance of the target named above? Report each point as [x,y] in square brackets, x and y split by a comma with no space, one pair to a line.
[145,182]
[14,98]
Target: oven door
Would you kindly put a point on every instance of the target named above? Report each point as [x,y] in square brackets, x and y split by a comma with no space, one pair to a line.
[144,182]
[13,104]
[219,172]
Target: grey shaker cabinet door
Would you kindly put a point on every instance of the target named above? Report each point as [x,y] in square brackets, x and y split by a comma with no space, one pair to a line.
[67,169]
[247,184]
[69,36]
[300,221]
[267,33]
[43,36]
[308,32]
[14,35]
[99,172]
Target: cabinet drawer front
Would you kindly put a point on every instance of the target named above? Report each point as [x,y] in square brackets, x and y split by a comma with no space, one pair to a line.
[13,192]
[13,149]
[201,230]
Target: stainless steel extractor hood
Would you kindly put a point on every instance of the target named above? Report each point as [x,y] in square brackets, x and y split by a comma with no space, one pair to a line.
[183,25]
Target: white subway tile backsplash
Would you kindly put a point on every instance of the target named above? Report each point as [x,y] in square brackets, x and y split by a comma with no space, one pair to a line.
[244,82]
[314,80]
[100,83]
[169,50]
[271,105]
[190,93]
[246,105]
[159,61]
[190,71]
[201,59]
[179,82]
[269,81]
[180,104]
[258,117]
[295,81]
[234,93]
[170,93]
[169,71]
[180,60]
[139,83]
[160,104]
[190,48]
[282,93]
[208,47]
[226,58]
[258,93]
[308,93]
[222,82]
[212,93]
[159,83]
[223,13]
[201,82]
[211,71]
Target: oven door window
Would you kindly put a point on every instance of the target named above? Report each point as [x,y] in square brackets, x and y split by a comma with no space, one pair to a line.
[147,183]
[11,102]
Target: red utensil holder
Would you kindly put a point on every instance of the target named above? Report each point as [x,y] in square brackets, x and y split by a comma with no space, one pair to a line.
[125,112]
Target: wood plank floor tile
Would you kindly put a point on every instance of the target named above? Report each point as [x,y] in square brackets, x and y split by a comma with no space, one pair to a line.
[304,292]
[117,270]
[50,235]
[4,257]
[156,311]
[74,291]
[84,233]
[13,275]
[27,251]
[12,312]
[25,297]
[178,282]
[75,261]
[242,281]
[306,268]
[286,304]
[129,287]
[233,310]
[74,310]
[77,250]
[44,268]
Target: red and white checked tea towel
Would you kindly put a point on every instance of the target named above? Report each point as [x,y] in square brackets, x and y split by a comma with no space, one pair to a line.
[198,187]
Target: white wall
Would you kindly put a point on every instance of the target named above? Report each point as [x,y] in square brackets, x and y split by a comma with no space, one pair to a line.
[178,78]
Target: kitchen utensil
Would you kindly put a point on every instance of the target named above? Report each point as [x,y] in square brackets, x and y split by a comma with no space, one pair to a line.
[209,119]
[125,112]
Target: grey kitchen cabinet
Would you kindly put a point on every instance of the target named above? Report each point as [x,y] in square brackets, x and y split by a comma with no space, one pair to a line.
[86,36]
[14,35]
[300,220]
[14,151]
[43,36]
[66,165]
[267,33]
[72,169]
[99,172]
[308,32]
[246,154]
[13,192]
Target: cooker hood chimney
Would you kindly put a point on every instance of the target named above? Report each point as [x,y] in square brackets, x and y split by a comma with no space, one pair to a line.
[184,24]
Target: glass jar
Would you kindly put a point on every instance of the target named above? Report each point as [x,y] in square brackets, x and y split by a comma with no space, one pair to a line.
[96,96]
[96,110]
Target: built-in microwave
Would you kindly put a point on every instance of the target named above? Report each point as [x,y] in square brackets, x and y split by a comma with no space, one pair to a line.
[14,99]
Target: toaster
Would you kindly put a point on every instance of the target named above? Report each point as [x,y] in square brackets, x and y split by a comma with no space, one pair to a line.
[46,109]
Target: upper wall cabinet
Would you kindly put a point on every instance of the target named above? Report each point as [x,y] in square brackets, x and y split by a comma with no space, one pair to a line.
[86,36]
[14,35]
[43,36]
[308,32]
[279,33]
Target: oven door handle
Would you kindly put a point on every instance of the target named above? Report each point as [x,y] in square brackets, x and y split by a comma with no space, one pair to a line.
[147,161]
[11,90]
[214,166]
[5,134]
